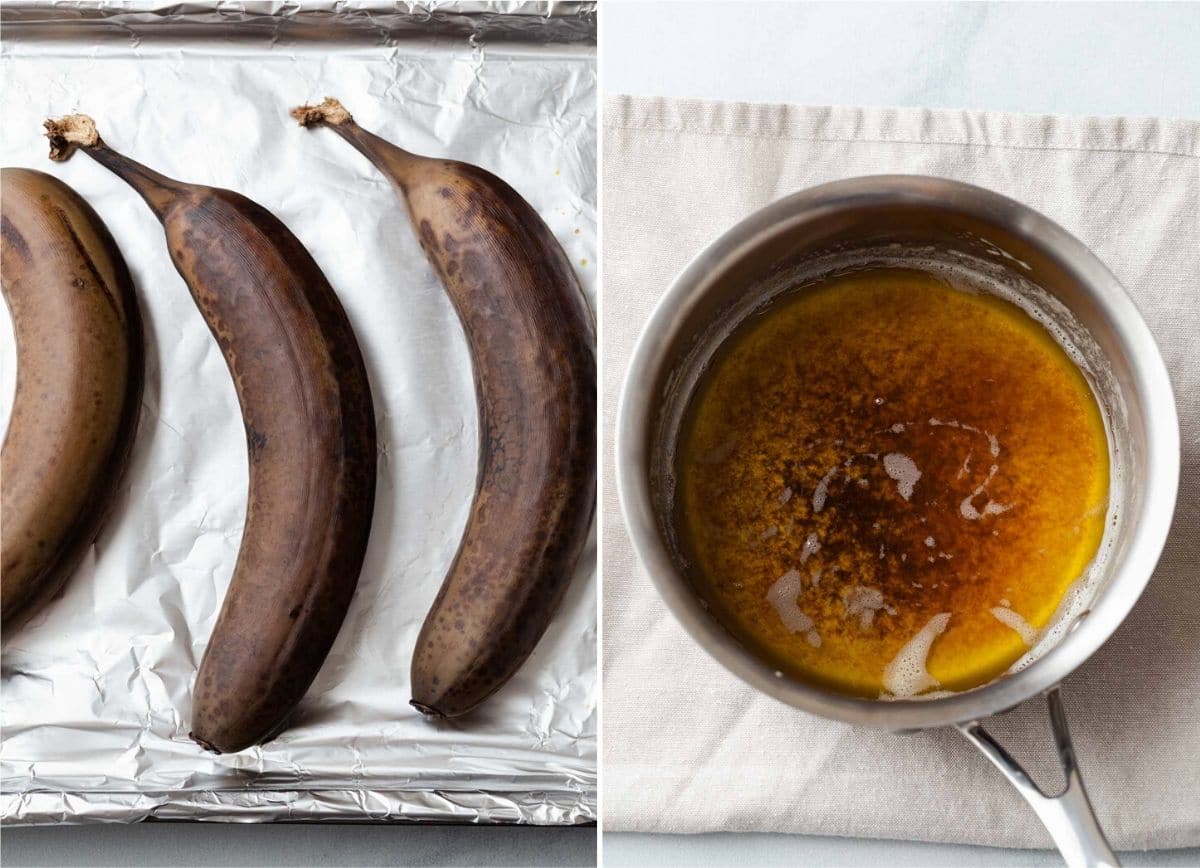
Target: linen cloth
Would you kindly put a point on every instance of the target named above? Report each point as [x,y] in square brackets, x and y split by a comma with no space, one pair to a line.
[687,746]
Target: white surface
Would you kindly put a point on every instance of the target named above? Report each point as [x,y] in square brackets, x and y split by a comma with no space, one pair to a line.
[1064,58]
[1053,58]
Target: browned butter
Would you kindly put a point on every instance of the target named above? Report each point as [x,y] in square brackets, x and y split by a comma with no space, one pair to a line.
[886,484]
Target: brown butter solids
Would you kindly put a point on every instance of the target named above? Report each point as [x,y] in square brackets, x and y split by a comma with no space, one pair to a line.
[813,396]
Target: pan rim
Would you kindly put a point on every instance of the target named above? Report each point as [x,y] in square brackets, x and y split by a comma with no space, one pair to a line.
[1150,522]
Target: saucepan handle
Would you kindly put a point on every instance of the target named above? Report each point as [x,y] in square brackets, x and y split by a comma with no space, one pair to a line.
[1068,816]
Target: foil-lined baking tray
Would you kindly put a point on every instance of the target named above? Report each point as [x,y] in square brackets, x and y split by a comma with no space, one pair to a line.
[96,690]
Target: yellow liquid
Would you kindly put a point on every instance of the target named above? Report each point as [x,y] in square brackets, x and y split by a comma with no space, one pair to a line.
[887,485]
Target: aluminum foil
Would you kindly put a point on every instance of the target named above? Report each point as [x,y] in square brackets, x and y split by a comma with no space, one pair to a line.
[96,690]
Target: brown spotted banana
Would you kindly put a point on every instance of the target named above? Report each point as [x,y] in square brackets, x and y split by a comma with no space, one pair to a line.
[310,434]
[78,336]
[532,345]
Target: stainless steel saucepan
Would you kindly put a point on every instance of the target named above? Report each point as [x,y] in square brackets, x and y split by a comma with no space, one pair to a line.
[1003,246]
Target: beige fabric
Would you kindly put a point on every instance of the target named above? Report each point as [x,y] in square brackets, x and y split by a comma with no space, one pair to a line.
[688,747]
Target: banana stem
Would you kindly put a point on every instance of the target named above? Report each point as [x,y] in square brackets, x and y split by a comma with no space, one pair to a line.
[158,190]
[79,131]
[382,153]
[330,113]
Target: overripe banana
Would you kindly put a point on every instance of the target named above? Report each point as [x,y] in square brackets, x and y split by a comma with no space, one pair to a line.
[532,345]
[310,432]
[78,335]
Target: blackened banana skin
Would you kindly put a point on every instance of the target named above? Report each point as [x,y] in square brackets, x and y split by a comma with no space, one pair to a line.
[310,432]
[532,345]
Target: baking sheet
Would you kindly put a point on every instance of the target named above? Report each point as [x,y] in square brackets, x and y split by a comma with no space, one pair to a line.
[96,689]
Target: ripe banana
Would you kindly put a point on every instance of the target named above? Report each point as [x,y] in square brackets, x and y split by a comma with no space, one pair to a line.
[532,345]
[79,349]
[310,432]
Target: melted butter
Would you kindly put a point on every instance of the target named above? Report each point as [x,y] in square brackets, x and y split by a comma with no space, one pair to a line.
[882,453]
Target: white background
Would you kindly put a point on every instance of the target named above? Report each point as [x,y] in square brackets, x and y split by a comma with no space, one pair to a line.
[1052,58]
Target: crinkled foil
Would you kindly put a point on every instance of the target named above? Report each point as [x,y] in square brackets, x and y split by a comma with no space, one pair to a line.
[96,690]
